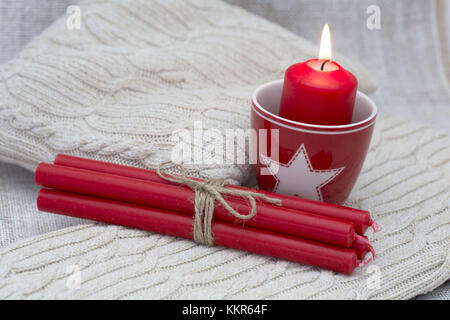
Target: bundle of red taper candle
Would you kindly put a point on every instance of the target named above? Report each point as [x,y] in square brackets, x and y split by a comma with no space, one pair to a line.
[305,231]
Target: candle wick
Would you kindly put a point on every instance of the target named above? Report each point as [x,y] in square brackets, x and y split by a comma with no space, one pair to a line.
[323,64]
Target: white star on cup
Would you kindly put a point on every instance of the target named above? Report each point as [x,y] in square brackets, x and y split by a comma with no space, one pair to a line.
[298,177]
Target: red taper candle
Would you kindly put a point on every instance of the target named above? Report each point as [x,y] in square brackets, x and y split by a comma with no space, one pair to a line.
[175,224]
[319,91]
[362,246]
[360,218]
[176,198]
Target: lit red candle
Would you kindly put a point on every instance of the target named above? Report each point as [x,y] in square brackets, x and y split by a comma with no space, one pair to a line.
[319,91]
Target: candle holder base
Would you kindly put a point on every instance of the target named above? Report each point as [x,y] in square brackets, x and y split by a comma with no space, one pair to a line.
[319,162]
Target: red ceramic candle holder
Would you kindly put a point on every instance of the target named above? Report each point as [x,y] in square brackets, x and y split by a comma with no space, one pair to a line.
[319,162]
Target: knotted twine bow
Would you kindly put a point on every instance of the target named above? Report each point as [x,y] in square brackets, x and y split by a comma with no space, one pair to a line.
[206,192]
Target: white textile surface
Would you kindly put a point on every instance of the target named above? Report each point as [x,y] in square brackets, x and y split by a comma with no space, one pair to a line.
[405,93]
[19,217]
[408,56]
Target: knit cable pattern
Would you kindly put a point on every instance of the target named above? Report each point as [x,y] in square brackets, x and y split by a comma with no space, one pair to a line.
[405,183]
[136,71]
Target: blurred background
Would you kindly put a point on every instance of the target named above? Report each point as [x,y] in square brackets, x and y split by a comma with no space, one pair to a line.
[408,55]
[404,44]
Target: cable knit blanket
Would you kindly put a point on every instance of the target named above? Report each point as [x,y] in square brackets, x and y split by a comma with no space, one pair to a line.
[135,72]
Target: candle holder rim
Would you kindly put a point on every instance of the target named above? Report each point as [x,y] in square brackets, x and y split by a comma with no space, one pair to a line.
[315,127]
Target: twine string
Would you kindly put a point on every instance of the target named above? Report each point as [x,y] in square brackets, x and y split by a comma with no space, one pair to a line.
[206,193]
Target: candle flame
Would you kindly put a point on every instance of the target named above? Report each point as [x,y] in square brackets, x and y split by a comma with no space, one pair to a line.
[325,44]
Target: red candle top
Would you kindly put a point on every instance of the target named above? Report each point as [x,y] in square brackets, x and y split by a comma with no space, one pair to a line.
[319,91]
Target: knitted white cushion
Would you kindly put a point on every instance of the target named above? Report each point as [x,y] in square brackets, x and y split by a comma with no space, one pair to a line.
[405,183]
[136,71]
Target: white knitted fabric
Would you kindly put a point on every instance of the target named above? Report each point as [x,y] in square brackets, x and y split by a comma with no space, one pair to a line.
[405,183]
[138,70]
